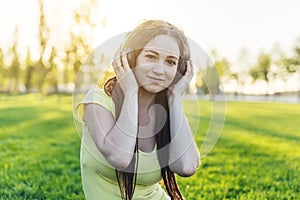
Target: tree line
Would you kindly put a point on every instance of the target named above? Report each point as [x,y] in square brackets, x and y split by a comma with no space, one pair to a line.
[56,68]
[57,65]
[268,67]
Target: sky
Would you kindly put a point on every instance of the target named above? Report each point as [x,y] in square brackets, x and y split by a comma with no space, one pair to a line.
[227,26]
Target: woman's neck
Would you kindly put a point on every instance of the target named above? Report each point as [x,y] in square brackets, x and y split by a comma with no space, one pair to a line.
[145,100]
[146,120]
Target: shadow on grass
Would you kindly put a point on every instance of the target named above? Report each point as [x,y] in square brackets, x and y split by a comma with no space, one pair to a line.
[39,152]
[260,130]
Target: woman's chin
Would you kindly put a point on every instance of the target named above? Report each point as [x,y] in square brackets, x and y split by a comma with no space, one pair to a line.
[154,88]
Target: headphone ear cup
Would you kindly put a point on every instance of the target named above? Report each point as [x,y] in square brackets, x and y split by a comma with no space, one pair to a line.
[181,71]
[182,67]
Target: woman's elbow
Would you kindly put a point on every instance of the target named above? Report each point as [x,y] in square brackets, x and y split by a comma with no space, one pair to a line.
[119,162]
[187,171]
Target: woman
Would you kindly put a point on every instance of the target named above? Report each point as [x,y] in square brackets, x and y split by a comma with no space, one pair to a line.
[135,133]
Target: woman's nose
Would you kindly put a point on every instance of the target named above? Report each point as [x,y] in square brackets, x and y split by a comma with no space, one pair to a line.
[158,69]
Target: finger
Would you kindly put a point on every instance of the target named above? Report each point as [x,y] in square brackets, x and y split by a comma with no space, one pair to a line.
[117,54]
[117,66]
[117,59]
[125,61]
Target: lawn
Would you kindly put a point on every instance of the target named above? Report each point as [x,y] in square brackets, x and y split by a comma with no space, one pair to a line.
[256,157]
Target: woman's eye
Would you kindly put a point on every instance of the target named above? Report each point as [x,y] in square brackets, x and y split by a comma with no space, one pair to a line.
[152,57]
[171,62]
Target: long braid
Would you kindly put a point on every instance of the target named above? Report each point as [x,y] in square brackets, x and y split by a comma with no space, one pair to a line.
[127,178]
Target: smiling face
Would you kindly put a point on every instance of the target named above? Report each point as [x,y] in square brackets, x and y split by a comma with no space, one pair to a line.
[156,65]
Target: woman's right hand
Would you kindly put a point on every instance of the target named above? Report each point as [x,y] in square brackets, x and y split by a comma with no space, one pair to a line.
[124,73]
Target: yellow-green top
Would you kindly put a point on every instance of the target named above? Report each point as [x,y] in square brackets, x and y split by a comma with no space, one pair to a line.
[99,177]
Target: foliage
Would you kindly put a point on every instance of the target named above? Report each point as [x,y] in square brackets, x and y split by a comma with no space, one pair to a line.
[292,64]
[208,78]
[57,64]
[262,70]
[256,157]
[223,67]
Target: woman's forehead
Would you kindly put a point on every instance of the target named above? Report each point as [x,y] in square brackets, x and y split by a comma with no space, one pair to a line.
[163,44]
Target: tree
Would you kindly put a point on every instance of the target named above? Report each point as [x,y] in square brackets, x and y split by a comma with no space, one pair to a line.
[28,73]
[37,73]
[293,64]
[279,68]
[44,74]
[223,67]
[262,69]
[52,73]
[208,79]
[223,71]
[212,81]
[296,61]
[80,44]
[211,77]
[3,71]
[14,70]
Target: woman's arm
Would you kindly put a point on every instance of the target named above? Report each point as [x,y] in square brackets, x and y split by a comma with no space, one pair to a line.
[116,139]
[184,156]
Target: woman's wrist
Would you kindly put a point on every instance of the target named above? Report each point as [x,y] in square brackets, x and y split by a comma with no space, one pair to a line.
[174,98]
[131,94]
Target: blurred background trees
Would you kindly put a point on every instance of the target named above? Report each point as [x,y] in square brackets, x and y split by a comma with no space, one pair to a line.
[55,69]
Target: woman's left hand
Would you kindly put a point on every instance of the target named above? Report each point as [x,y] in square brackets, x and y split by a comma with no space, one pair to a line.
[179,88]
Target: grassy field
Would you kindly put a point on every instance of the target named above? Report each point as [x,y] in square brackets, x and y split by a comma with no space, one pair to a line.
[257,155]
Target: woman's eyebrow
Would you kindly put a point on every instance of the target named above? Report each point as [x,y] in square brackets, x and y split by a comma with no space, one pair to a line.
[173,57]
[152,51]
[157,53]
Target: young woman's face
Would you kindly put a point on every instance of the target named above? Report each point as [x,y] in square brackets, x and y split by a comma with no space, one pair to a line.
[156,65]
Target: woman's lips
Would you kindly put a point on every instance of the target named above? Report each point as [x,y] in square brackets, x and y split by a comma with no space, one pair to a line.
[154,79]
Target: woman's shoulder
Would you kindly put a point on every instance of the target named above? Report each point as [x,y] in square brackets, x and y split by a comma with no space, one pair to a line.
[97,92]
[99,96]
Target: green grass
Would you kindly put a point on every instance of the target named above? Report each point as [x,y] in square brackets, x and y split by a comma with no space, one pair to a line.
[257,155]
[39,149]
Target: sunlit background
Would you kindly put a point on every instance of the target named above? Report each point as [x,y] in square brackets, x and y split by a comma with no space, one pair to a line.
[255,44]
